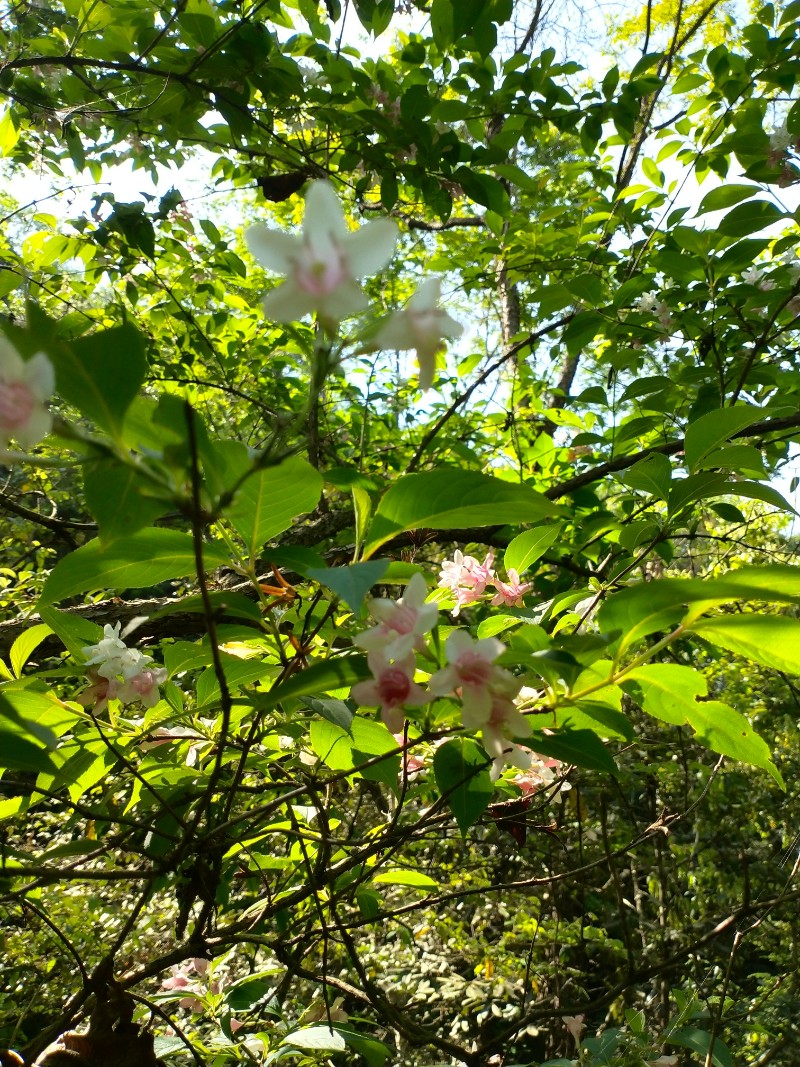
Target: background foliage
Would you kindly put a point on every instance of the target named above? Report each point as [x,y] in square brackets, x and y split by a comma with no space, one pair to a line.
[270,871]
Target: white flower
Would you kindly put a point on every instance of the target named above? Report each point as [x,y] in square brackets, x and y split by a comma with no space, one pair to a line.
[471,670]
[647,302]
[421,325]
[322,264]
[112,656]
[24,387]
[780,139]
[401,623]
[752,276]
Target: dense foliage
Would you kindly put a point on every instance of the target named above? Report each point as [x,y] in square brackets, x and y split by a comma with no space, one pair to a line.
[426,381]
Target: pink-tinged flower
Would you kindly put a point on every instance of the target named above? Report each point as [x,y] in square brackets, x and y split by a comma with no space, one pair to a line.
[322,264]
[472,672]
[466,571]
[421,325]
[99,692]
[542,772]
[511,592]
[575,1026]
[505,721]
[464,597]
[25,385]
[143,687]
[391,688]
[402,622]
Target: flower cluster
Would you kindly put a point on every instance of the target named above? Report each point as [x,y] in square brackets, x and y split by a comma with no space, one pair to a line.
[24,388]
[649,303]
[390,653]
[117,672]
[467,580]
[486,690]
[487,697]
[186,978]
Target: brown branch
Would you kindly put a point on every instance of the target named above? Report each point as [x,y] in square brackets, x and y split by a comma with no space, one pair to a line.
[670,448]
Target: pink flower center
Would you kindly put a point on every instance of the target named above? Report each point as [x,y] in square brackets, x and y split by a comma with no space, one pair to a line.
[394,686]
[143,682]
[403,619]
[474,669]
[320,277]
[16,405]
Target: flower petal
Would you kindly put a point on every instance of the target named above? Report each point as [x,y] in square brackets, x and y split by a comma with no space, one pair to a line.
[40,376]
[273,248]
[324,212]
[287,303]
[370,248]
[35,427]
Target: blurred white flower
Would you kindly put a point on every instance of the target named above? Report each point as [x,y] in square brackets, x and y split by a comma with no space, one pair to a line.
[421,325]
[322,264]
[24,387]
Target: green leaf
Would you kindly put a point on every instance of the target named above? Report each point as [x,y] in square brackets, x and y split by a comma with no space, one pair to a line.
[583,748]
[343,750]
[101,374]
[652,475]
[74,631]
[115,498]
[462,775]
[772,640]
[756,491]
[642,609]
[317,1039]
[452,497]
[483,188]
[582,330]
[147,558]
[699,1041]
[36,715]
[270,500]
[373,1052]
[412,879]
[726,196]
[19,754]
[318,678]
[749,218]
[442,23]
[670,692]
[710,431]
[529,546]
[243,995]
[25,645]
[335,711]
[238,672]
[352,583]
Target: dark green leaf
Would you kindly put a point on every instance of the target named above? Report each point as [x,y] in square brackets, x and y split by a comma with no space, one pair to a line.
[352,583]
[147,558]
[319,678]
[462,775]
[452,497]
